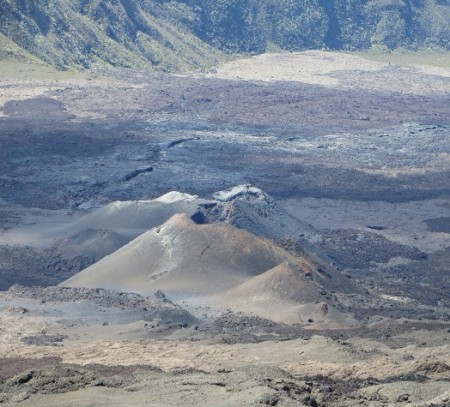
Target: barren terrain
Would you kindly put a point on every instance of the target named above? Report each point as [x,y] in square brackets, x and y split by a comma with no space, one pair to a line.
[323,280]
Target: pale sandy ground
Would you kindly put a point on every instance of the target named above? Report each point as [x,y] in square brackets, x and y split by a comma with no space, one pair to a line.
[19,81]
[23,91]
[336,70]
[210,394]
[331,69]
[306,67]
[18,90]
[356,358]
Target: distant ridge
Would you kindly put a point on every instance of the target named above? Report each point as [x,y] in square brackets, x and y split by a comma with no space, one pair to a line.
[84,34]
[183,35]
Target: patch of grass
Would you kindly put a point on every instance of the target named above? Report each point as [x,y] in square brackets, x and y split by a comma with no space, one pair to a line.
[19,70]
[423,57]
[16,63]
[11,51]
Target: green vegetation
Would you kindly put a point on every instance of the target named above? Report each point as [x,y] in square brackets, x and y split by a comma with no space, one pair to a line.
[13,69]
[187,34]
[11,51]
[333,24]
[432,58]
[86,33]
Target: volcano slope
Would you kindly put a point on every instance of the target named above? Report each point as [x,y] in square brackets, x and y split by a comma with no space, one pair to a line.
[66,245]
[354,154]
[194,262]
